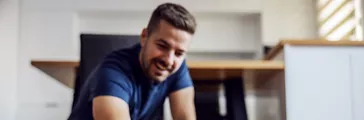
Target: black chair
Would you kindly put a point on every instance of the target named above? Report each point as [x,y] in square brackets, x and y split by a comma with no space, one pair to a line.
[207,100]
[93,48]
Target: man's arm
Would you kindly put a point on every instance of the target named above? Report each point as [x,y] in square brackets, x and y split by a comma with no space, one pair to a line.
[110,108]
[110,94]
[182,104]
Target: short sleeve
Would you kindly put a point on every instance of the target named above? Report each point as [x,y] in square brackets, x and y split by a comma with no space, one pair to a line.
[182,79]
[111,82]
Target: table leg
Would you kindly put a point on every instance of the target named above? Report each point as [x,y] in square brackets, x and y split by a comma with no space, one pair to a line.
[235,99]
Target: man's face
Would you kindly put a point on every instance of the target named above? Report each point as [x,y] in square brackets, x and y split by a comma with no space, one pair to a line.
[163,51]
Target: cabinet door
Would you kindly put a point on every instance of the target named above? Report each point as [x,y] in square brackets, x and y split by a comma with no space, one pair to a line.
[43,111]
[318,83]
[357,65]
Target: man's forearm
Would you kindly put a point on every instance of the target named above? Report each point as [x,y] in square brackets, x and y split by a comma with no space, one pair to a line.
[187,114]
[184,117]
[182,104]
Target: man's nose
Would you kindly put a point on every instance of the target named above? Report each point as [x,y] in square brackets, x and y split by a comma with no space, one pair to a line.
[168,59]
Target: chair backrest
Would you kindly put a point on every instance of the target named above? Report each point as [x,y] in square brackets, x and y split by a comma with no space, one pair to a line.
[93,48]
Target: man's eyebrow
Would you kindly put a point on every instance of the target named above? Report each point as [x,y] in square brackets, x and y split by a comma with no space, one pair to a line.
[163,42]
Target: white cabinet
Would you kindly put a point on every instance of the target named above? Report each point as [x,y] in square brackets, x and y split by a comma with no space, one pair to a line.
[318,83]
[41,111]
[357,65]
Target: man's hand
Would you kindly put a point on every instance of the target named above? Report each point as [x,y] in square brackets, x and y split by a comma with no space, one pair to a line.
[182,104]
[110,108]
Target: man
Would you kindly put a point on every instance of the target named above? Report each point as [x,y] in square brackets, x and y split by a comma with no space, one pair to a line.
[133,83]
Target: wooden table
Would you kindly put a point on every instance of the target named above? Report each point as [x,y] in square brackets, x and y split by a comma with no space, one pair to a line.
[64,71]
[237,77]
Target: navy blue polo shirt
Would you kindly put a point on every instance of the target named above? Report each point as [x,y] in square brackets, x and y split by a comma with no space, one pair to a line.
[120,75]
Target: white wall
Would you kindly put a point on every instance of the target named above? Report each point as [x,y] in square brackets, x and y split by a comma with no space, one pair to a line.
[361,10]
[113,22]
[215,32]
[288,19]
[226,6]
[280,18]
[9,37]
[227,33]
[46,32]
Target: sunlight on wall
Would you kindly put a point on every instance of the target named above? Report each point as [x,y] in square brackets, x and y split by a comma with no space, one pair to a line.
[340,19]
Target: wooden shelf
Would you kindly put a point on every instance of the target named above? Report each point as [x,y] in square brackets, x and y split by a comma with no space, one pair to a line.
[212,64]
[64,71]
[71,64]
[235,64]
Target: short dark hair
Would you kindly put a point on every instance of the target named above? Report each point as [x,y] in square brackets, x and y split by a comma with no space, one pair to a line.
[174,14]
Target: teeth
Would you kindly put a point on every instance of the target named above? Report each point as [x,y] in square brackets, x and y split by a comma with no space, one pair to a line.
[159,66]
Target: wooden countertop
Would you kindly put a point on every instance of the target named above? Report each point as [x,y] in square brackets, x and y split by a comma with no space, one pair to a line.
[237,64]
[54,63]
[278,48]
[255,71]
[218,64]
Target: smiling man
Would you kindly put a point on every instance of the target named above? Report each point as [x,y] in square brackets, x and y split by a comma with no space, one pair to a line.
[132,83]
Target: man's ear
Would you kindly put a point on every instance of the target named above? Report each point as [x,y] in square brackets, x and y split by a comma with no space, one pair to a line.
[143,37]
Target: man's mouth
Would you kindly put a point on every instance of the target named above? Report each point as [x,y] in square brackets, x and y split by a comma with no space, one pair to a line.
[160,66]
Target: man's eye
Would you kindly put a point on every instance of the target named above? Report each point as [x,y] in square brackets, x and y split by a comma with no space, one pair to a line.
[162,46]
[179,54]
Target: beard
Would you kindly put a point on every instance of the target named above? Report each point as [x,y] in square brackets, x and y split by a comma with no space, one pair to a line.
[155,69]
